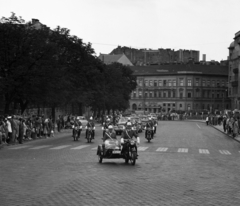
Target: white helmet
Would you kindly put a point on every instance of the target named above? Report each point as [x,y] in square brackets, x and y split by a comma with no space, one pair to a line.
[129,118]
[91,118]
[129,124]
[110,127]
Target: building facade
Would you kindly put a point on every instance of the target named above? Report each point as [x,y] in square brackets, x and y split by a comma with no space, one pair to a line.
[180,87]
[119,58]
[233,75]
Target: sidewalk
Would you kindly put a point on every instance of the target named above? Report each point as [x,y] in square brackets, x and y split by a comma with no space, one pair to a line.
[220,128]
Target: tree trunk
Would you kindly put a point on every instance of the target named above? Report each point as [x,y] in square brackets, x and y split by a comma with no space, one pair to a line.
[80,109]
[23,105]
[53,115]
[6,108]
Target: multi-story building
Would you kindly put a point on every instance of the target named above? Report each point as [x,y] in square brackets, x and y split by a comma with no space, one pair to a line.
[233,75]
[156,57]
[180,87]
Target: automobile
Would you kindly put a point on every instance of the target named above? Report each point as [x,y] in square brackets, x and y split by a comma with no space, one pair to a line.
[83,120]
[144,120]
[120,125]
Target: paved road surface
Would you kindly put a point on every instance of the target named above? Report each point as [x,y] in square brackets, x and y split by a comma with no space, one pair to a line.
[188,163]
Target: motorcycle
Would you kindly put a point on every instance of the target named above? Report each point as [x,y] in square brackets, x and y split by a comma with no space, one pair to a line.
[76,133]
[90,135]
[111,149]
[130,154]
[149,134]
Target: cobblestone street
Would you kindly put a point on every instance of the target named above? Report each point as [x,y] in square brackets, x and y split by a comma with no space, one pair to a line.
[187,163]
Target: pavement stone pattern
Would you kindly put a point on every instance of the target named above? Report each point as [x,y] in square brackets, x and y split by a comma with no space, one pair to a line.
[69,176]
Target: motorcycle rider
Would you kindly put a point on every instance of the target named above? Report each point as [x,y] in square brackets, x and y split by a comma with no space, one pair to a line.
[149,125]
[129,134]
[77,123]
[105,126]
[90,124]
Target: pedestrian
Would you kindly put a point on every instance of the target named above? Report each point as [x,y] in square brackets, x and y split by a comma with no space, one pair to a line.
[21,131]
[9,129]
[207,120]
[235,127]
[224,123]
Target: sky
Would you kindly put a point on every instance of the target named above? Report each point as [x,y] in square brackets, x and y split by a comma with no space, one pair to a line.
[207,26]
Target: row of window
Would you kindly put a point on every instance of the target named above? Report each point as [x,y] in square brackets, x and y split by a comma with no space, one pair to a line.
[172,82]
[169,94]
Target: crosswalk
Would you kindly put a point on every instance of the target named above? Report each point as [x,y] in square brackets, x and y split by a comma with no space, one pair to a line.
[140,149]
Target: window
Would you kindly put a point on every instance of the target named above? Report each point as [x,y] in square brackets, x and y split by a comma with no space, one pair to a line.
[218,84]
[140,83]
[155,94]
[203,83]
[173,104]
[169,83]
[150,94]
[169,105]
[173,94]
[140,94]
[146,94]
[134,94]
[189,94]
[155,83]
[174,82]
[164,94]
[197,82]
[150,83]
[223,83]
[180,105]
[213,95]
[213,83]
[208,83]
[164,104]
[217,95]
[164,83]
[180,82]
[181,94]
[146,82]
[169,94]
[160,83]
[189,82]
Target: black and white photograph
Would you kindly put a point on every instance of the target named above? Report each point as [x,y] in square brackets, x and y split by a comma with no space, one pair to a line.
[119,102]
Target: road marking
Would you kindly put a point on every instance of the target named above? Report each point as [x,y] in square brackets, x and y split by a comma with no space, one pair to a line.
[226,152]
[183,150]
[40,147]
[94,148]
[198,126]
[20,147]
[142,148]
[162,149]
[60,147]
[80,147]
[203,151]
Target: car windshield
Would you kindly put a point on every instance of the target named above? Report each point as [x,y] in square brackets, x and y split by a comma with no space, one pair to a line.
[122,120]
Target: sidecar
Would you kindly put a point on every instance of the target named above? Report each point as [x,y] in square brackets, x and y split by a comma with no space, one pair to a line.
[110,149]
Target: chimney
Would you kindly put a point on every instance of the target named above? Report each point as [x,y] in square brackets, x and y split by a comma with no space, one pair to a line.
[204,57]
[34,21]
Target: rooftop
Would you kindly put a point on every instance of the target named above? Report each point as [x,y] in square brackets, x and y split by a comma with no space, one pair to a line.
[180,69]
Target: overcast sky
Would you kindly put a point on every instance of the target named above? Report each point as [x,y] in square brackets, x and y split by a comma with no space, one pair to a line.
[204,25]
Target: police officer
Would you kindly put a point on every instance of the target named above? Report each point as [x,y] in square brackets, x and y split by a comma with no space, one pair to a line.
[149,125]
[105,126]
[90,124]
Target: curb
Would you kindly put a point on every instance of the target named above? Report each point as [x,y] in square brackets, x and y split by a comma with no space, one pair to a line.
[225,133]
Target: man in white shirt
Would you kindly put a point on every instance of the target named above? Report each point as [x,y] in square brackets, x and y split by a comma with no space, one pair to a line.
[9,127]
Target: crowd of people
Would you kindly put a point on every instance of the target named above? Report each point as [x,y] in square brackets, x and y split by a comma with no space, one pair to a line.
[16,129]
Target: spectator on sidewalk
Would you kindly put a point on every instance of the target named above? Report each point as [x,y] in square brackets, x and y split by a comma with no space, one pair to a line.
[21,131]
[207,120]
[224,124]
[235,127]
[9,127]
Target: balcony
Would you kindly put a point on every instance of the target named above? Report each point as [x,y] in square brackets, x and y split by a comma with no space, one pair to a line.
[234,83]
[235,70]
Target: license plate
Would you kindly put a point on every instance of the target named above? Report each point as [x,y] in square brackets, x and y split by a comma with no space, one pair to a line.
[116,152]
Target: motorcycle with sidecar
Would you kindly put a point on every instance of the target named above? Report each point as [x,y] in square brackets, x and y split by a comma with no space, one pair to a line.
[112,149]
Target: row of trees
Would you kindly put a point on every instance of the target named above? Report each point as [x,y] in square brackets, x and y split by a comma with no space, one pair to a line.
[44,67]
